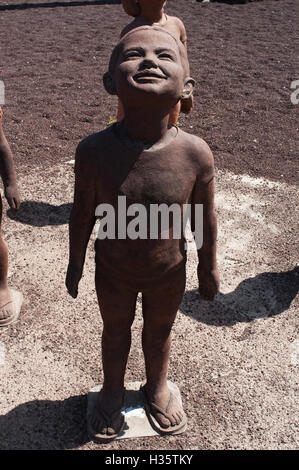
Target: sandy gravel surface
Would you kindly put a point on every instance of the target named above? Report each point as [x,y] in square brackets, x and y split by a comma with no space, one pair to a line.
[236,360]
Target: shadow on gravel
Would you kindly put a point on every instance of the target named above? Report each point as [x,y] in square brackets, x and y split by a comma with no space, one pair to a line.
[40,214]
[24,6]
[45,425]
[262,296]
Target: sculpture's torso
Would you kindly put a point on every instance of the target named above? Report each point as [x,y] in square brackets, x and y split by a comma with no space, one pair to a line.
[149,177]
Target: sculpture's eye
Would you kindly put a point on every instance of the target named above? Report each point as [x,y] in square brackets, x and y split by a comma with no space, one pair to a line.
[132,54]
[166,56]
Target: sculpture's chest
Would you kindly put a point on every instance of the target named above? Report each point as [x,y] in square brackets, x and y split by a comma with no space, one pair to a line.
[152,178]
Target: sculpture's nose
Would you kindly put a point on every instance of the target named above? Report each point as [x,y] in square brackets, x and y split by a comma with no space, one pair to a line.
[149,62]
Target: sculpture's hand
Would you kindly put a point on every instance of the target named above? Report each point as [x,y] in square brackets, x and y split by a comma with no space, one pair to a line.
[187,105]
[72,280]
[208,284]
[13,197]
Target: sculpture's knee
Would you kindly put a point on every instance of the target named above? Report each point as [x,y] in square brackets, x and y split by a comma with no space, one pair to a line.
[117,333]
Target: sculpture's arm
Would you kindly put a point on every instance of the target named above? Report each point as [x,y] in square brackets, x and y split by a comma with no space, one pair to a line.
[183,32]
[203,193]
[82,219]
[7,172]
[186,103]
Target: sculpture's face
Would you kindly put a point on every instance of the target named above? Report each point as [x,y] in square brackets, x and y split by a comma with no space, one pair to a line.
[149,63]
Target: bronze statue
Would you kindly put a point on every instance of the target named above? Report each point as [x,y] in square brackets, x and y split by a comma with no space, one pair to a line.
[151,13]
[148,162]
[9,309]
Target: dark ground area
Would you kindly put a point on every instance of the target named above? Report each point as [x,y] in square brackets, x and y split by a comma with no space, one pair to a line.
[243,58]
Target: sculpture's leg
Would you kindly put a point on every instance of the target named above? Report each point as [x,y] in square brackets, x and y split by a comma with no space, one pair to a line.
[174,114]
[117,305]
[160,307]
[8,308]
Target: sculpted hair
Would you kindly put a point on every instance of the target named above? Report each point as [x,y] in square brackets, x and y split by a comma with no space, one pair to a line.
[119,48]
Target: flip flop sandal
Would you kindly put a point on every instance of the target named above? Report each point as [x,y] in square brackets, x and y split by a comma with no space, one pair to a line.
[108,419]
[151,409]
[17,299]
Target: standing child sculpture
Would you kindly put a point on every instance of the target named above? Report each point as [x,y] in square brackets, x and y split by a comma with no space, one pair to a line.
[151,13]
[148,162]
[9,300]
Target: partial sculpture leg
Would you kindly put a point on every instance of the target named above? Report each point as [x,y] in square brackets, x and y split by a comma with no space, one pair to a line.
[159,310]
[7,306]
[174,114]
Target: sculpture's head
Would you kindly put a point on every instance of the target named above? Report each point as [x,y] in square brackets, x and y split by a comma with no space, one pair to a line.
[134,7]
[149,63]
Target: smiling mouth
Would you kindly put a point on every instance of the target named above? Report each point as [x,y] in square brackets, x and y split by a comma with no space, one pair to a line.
[148,74]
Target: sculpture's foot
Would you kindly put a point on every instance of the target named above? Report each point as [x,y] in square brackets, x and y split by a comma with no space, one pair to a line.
[164,412]
[10,306]
[106,423]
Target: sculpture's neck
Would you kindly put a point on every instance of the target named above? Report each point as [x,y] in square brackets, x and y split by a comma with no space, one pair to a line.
[146,127]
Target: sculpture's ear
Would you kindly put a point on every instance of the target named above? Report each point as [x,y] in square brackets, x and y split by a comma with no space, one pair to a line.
[109,83]
[188,88]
